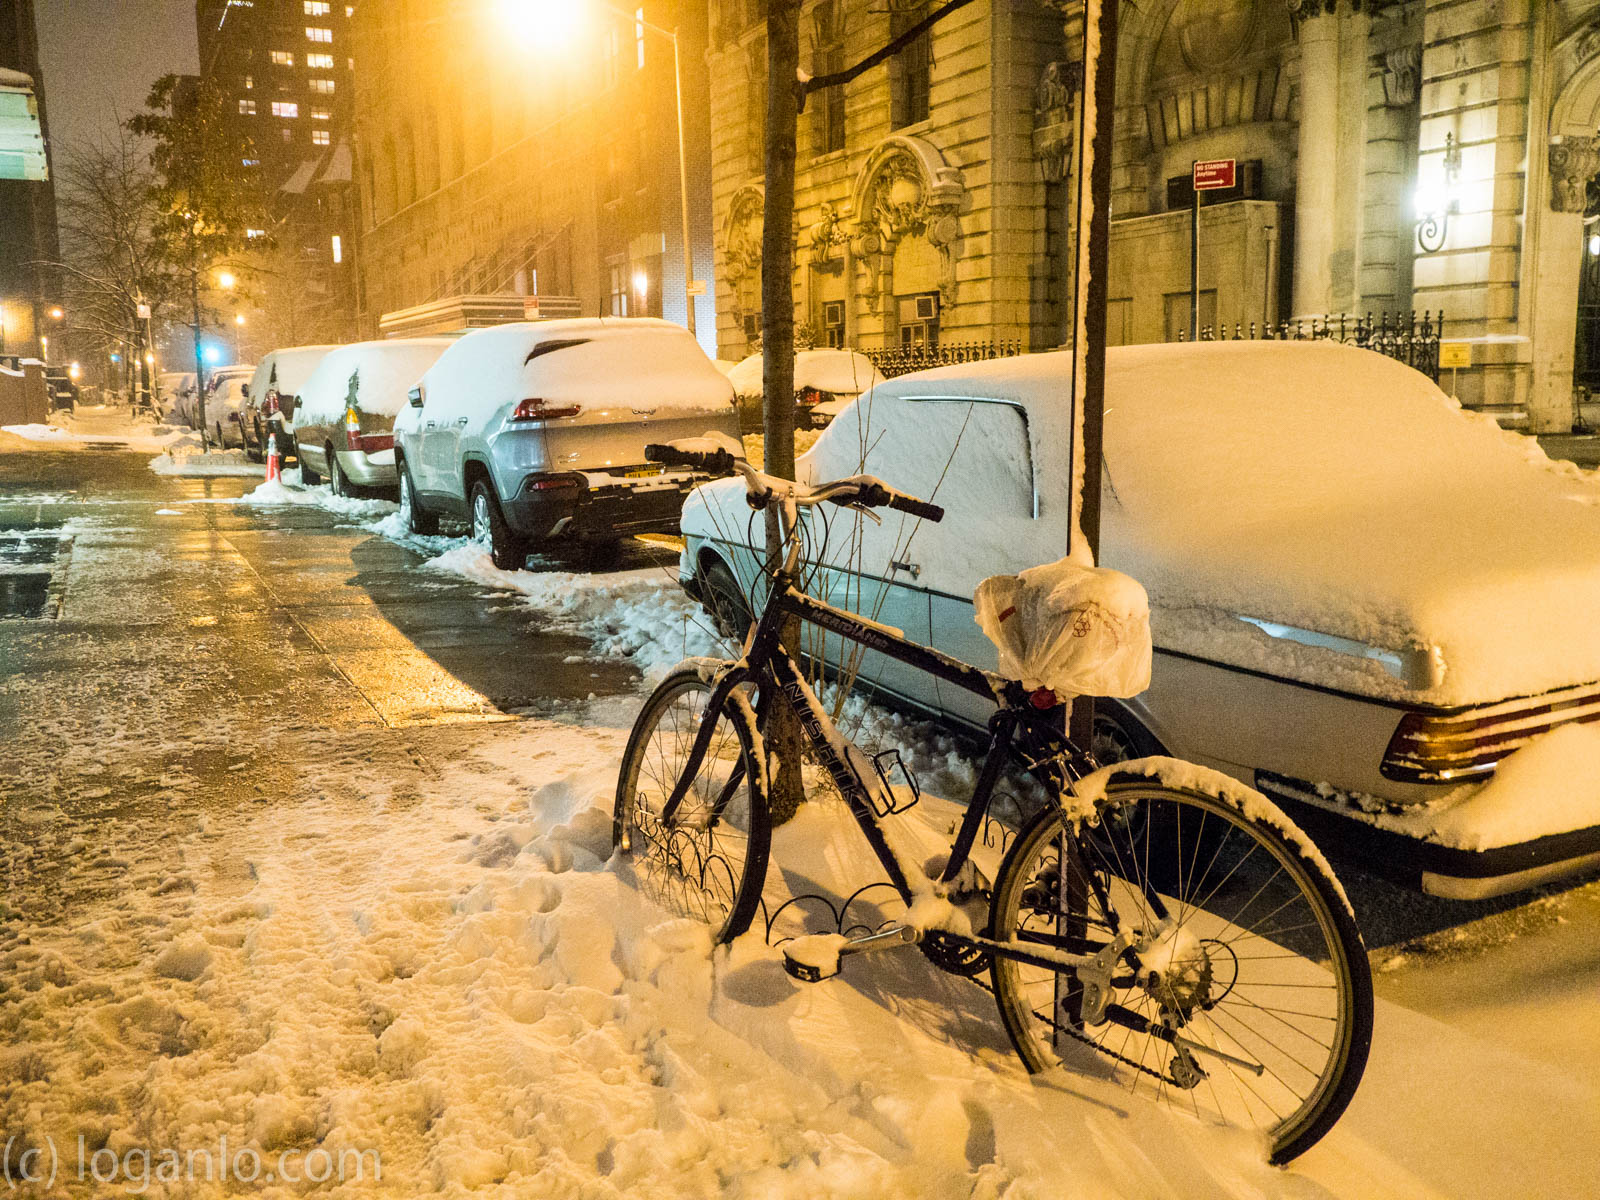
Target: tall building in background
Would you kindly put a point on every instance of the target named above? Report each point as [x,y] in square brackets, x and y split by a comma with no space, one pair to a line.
[287,70]
[28,289]
[503,174]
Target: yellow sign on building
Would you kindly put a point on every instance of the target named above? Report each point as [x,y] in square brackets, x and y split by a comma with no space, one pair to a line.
[1455,354]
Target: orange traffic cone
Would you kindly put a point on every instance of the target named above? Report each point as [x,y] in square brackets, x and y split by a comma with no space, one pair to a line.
[273,473]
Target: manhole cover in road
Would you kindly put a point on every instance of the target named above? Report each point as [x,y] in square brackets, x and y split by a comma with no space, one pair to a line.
[31,561]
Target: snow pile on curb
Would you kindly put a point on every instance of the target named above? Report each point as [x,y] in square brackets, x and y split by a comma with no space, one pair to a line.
[137,437]
[288,491]
[213,462]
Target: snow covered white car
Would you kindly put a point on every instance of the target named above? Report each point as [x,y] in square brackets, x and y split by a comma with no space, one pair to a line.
[1376,608]
[344,417]
[270,405]
[536,431]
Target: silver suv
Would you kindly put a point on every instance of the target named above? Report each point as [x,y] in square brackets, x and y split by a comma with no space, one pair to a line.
[535,433]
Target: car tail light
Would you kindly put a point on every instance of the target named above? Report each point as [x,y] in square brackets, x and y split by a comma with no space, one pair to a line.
[270,404]
[1446,747]
[552,483]
[540,410]
[352,428]
[810,397]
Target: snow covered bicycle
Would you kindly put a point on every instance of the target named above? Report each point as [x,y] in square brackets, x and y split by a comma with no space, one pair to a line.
[1153,913]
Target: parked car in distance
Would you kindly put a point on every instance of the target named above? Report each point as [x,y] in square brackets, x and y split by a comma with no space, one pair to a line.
[273,387]
[1372,606]
[535,432]
[226,392]
[824,382]
[177,396]
[345,410]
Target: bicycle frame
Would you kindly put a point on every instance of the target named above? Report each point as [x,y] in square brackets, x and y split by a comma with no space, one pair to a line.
[767,664]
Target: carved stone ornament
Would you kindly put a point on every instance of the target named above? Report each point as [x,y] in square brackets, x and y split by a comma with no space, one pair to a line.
[1052,118]
[1573,163]
[828,234]
[1304,10]
[905,190]
[741,241]
[1402,74]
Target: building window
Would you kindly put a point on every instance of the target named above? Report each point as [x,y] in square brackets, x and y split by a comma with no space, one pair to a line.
[833,324]
[321,114]
[909,70]
[249,81]
[318,8]
[323,62]
[247,108]
[323,87]
[282,58]
[620,284]
[638,36]
[253,234]
[827,106]
[285,108]
[320,137]
[756,110]
[918,319]
[317,34]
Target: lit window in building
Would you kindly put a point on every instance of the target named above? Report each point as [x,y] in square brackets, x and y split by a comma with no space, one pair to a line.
[318,8]
[320,137]
[613,52]
[251,162]
[315,33]
[320,61]
[638,35]
[321,114]
[338,249]
[349,10]
[322,86]
[247,108]
[285,108]
[253,234]
[282,58]
[288,134]
[619,289]
[249,81]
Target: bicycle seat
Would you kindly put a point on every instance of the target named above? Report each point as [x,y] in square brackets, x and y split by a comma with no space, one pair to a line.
[1076,630]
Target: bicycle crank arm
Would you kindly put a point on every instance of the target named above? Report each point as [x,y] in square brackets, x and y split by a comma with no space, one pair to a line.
[896,938]
[1129,1019]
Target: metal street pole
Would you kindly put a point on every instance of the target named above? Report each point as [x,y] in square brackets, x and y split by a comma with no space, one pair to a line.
[1194,259]
[199,360]
[683,189]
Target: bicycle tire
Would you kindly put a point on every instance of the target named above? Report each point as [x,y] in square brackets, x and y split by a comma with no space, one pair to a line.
[1304,976]
[709,863]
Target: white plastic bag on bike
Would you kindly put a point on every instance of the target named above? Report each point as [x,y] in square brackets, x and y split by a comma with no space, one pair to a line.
[1079,631]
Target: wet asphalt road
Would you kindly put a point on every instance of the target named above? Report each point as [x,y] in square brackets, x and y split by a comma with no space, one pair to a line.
[164,651]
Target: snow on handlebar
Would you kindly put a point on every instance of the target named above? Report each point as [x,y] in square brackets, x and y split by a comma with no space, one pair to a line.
[863,491]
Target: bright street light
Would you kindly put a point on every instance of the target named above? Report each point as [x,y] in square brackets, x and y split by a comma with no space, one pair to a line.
[57,313]
[238,318]
[551,24]
[225,280]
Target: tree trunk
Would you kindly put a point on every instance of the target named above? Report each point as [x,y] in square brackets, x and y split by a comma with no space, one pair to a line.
[777,342]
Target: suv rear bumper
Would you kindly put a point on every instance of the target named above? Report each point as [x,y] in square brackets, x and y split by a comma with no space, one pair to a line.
[598,514]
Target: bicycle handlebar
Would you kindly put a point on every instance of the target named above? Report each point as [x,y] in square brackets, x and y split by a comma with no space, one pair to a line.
[862,491]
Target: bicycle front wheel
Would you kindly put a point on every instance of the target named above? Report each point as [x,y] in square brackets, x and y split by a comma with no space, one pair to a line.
[1246,995]
[706,859]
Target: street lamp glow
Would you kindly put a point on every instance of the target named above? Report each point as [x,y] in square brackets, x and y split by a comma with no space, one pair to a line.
[225,280]
[57,313]
[551,23]
[74,371]
[212,355]
[238,318]
[641,285]
[149,358]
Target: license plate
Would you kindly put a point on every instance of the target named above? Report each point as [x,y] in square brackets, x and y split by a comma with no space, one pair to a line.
[642,472]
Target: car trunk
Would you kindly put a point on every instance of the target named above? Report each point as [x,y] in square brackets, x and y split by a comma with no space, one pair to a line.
[612,441]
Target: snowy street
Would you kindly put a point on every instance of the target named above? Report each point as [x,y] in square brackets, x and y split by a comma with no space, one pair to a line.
[304,855]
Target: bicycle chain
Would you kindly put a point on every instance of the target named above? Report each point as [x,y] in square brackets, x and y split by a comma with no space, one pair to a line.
[1086,1040]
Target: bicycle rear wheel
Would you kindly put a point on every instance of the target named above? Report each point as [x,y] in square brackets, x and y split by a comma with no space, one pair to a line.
[706,860]
[1243,947]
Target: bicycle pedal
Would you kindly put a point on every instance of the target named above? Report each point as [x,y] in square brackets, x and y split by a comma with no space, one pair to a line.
[804,972]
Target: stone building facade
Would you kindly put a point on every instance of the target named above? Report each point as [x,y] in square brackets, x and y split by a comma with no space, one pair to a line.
[1353,123]
[540,166]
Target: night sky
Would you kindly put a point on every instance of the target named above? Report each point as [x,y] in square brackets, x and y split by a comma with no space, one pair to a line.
[100,57]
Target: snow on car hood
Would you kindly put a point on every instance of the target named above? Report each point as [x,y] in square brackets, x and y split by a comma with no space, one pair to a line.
[1333,491]
[838,372]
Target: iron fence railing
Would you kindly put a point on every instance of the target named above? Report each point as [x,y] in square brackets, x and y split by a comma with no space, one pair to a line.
[1411,339]
[902,360]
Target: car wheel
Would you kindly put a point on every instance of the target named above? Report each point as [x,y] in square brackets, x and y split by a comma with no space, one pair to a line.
[725,600]
[489,529]
[338,481]
[1118,737]
[417,518]
[308,477]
